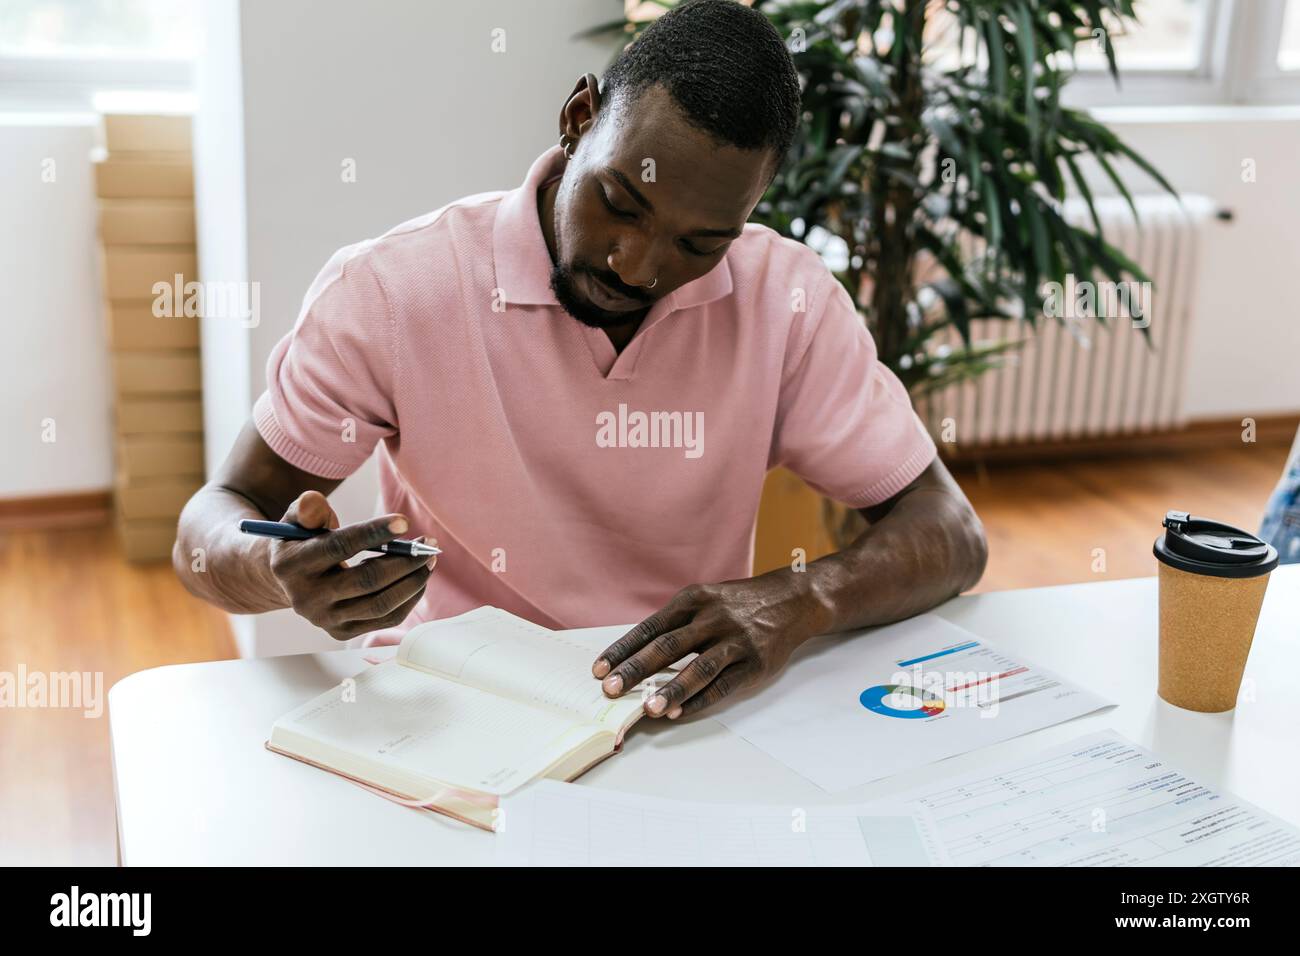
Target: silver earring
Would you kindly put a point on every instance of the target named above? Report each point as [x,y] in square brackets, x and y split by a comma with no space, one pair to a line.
[653,282]
[566,144]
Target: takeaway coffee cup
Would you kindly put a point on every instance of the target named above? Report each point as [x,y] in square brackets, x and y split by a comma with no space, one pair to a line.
[1212,582]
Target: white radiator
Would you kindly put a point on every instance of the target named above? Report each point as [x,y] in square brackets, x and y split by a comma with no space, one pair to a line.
[1085,380]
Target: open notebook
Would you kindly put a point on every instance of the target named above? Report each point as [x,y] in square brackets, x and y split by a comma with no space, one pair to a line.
[471,708]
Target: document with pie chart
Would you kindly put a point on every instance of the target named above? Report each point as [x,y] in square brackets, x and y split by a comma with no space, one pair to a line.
[853,708]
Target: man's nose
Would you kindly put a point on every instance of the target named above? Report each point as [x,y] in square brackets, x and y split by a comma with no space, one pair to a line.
[634,263]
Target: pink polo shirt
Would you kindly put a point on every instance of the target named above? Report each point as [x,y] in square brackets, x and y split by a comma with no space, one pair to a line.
[566,483]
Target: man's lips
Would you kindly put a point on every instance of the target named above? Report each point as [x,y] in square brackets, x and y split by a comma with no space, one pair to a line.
[606,298]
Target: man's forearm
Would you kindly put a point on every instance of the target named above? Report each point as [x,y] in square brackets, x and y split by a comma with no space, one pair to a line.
[923,546]
[218,563]
[928,548]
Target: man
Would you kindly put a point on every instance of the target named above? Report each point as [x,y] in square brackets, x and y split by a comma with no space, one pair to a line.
[577,387]
[1281,524]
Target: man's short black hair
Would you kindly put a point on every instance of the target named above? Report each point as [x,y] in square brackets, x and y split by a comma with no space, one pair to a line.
[724,64]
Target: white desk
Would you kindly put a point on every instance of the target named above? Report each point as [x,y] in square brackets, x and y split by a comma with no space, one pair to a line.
[194,784]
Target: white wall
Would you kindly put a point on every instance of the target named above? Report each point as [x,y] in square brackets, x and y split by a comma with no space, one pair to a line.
[1244,349]
[54,364]
[413,94]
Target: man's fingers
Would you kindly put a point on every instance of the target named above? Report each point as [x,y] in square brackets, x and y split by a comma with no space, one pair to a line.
[654,657]
[676,614]
[381,604]
[731,679]
[372,575]
[350,629]
[695,677]
[329,549]
[334,526]
[311,509]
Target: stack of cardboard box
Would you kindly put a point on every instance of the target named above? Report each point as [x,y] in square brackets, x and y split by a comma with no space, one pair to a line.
[145,186]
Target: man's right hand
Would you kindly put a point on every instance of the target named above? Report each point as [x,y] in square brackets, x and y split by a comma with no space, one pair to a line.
[347,601]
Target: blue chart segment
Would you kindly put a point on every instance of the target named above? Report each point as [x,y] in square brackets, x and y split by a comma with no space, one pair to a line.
[957,649]
[920,704]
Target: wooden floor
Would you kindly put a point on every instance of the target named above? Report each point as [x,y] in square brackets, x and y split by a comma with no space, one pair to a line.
[1045,522]
[68,601]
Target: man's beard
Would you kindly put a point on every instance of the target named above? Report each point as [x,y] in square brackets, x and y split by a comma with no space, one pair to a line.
[566,293]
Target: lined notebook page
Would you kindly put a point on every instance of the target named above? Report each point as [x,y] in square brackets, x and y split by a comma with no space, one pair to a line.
[437,728]
[494,650]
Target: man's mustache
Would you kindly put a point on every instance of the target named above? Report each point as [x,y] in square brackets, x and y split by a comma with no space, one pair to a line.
[614,282]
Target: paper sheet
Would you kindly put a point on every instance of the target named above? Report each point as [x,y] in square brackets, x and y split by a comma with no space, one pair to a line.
[562,824]
[850,709]
[1100,800]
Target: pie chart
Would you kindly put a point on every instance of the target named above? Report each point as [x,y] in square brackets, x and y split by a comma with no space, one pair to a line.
[901,700]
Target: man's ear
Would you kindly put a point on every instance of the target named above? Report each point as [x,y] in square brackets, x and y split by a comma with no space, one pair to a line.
[580,109]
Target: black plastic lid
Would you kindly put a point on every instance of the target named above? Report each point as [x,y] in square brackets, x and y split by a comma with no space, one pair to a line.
[1209,547]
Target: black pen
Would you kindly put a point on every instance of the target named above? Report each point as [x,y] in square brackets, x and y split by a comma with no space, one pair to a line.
[292,532]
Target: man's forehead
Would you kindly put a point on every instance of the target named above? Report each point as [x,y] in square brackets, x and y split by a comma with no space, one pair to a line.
[667,157]
[654,119]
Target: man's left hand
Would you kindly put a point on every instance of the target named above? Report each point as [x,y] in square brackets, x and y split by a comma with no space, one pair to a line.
[743,631]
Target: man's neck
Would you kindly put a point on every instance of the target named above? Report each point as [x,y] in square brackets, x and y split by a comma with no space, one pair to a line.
[619,335]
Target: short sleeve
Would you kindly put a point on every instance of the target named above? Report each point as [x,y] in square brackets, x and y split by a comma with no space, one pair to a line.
[845,423]
[329,382]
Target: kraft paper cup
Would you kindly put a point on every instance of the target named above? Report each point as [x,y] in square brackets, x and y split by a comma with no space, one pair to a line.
[1212,583]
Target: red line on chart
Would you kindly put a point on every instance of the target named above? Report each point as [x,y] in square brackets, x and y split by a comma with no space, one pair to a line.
[976,683]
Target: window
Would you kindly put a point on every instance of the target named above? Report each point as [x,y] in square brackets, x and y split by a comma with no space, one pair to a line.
[58,54]
[166,29]
[1200,52]
[1170,35]
[1288,48]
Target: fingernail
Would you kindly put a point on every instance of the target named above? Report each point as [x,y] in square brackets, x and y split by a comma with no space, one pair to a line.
[656,704]
[613,684]
[601,668]
[674,713]
[432,562]
[398,525]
